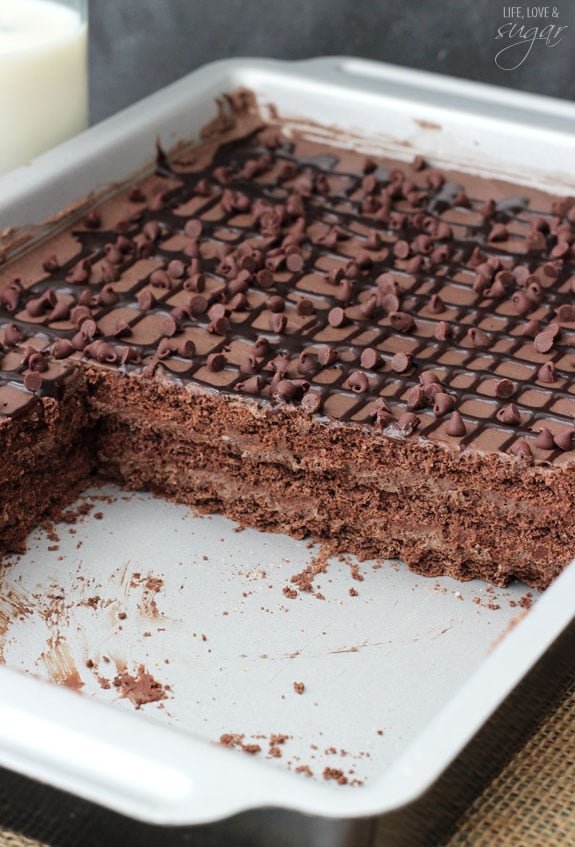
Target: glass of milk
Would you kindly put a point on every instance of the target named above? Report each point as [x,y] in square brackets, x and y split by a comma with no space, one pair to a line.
[43,76]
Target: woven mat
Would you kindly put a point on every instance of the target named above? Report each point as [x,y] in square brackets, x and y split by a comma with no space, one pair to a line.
[530,804]
[532,801]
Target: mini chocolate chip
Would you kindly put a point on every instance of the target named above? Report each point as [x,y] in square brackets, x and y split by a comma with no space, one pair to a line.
[496,290]
[136,195]
[239,303]
[279,364]
[108,296]
[109,273]
[476,337]
[36,361]
[521,302]
[122,329]
[443,331]
[253,385]
[193,228]
[305,307]
[217,310]
[422,244]
[176,269]
[443,232]
[102,352]
[248,364]
[504,389]
[456,426]
[562,248]
[371,359]
[216,362]
[114,256]
[277,322]
[415,264]
[401,362]
[79,340]
[521,274]
[435,305]
[33,381]
[443,403]
[461,199]
[536,242]
[311,402]
[294,262]
[498,232]
[509,414]
[431,391]
[93,220]
[358,382]
[62,348]
[345,291]
[416,398]
[10,297]
[373,241]
[150,369]
[146,299]
[402,322]
[544,439]
[564,438]
[198,304]
[547,372]
[387,283]
[166,347]
[401,249]
[368,308]
[327,356]
[221,326]
[289,389]
[307,364]
[79,314]
[543,342]
[565,313]
[40,305]
[408,423]
[160,279]
[260,348]
[389,302]
[534,292]
[180,315]
[532,328]
[488,209]
[196,282]
[88,327]
[124,244]
[275,303]
[337,317]
[130,355]
[429,378]
[521,449]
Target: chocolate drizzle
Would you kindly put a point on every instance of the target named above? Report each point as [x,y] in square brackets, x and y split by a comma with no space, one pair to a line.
[277,273]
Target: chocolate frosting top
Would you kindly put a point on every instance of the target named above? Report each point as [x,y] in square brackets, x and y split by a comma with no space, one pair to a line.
[389,295]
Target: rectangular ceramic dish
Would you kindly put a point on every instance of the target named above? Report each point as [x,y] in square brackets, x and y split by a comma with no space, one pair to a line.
[396,680]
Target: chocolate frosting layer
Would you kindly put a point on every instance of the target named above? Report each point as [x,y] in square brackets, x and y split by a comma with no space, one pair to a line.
[393,296]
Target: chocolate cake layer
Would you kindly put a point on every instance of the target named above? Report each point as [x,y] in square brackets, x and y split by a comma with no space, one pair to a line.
[370,351]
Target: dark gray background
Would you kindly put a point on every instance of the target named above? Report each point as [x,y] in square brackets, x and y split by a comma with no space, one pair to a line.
[138,46]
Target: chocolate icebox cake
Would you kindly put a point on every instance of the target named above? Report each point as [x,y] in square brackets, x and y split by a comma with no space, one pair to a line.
[310,342]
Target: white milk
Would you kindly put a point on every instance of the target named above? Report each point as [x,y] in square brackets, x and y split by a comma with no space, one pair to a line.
[43,78]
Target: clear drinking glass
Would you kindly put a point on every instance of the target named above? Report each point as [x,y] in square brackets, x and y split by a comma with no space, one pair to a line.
[43,76]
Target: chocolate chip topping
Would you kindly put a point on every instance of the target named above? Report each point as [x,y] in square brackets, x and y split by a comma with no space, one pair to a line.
[456,426]
[300,280]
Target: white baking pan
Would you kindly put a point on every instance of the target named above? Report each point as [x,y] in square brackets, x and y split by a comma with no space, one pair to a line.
[397,679]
